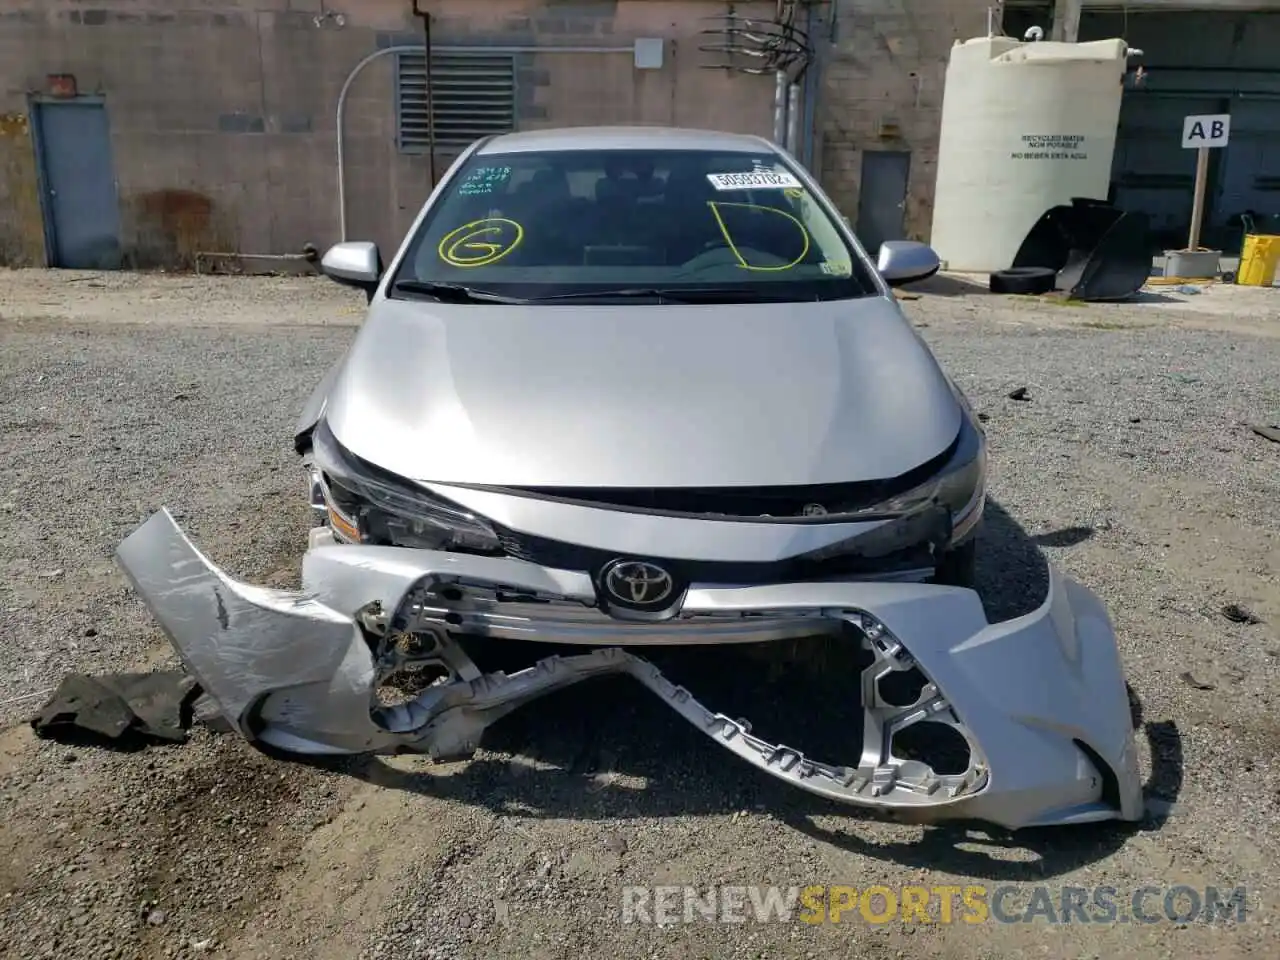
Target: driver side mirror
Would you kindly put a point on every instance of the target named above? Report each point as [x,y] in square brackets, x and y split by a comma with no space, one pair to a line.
[354,263]
[906,261]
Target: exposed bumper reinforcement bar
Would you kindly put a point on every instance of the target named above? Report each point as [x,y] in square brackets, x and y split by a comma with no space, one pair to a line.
[1039,700]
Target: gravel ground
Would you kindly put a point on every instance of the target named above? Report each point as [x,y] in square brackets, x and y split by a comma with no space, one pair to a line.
[1129,464]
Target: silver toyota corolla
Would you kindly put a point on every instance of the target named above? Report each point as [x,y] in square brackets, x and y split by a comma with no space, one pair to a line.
[629,389]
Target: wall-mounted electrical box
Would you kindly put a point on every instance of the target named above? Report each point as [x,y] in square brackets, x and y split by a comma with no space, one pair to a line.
[649,53]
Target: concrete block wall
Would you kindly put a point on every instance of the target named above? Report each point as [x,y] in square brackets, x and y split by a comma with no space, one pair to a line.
[21,226]
[882,82]
[222,112]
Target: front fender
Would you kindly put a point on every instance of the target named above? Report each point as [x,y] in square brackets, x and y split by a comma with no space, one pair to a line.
[314,408]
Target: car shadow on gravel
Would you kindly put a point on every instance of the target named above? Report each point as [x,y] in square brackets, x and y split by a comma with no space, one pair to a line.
[948,285]
[605,750]
[1012,575]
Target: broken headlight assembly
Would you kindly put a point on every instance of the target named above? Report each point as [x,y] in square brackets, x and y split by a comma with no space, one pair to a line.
[367,505]
[959,484]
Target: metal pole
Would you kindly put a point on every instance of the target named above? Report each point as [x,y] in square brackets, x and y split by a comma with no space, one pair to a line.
[425,17]
[431,101]
[1066,20]
[793,119]
[780,108]
[342,109]
[812,78]
[1197,205]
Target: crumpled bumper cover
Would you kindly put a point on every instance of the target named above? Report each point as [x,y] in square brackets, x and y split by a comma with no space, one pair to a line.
[1040,700]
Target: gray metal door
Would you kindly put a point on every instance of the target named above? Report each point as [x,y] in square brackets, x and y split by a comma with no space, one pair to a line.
[882,198]
[81,210]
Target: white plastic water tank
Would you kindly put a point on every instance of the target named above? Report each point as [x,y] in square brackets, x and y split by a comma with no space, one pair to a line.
[1025,127]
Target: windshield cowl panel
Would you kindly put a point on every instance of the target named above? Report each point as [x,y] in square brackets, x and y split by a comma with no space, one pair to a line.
[645,226]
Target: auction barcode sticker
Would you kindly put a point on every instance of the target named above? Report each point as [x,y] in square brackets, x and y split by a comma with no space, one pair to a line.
[757,180]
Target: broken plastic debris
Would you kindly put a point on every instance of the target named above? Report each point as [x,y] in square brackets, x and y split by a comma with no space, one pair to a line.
[1238,614]
[1191,681]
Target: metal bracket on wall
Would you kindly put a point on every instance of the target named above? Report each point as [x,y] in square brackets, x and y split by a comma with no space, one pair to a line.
[755,46]
[748,45]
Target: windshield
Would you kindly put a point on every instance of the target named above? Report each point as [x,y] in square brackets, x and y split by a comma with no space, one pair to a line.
[725,226]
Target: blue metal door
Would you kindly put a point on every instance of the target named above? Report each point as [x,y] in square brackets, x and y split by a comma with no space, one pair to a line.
[81,209]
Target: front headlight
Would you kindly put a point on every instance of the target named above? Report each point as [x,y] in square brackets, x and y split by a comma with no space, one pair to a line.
[941,510]
[367,505]
[959,485]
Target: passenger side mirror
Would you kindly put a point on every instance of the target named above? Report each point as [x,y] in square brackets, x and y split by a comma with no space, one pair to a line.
[906,261]
[354,263]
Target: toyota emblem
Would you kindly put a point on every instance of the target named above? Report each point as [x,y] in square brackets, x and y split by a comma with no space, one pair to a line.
[634,583]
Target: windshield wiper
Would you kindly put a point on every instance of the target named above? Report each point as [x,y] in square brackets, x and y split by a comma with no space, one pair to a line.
[669,294]
[452,292]
[457,293]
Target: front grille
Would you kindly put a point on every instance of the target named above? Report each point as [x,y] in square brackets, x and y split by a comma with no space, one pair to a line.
[747,502]
[909,543]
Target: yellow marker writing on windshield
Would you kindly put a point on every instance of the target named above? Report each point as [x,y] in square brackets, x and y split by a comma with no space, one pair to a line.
[480,242]
[728,237]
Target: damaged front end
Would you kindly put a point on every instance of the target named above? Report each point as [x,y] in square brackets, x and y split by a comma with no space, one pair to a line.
[1039,701]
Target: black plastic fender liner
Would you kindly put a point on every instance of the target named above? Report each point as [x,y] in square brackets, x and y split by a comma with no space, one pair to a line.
[1098,251]
[1024,280]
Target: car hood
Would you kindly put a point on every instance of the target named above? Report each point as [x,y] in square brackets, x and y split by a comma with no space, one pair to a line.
[764,394]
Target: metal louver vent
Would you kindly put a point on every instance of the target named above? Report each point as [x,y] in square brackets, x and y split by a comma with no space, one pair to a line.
[475,96]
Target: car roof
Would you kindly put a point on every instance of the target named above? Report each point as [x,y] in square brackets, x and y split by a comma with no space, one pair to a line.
[626,138]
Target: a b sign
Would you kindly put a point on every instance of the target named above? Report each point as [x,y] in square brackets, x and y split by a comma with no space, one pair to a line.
[1211,130]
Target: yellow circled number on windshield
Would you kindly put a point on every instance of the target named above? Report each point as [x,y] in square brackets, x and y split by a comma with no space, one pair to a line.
[728,237]
[480,242]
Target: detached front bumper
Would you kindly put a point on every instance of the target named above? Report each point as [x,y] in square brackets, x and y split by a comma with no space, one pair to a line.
[1039,700]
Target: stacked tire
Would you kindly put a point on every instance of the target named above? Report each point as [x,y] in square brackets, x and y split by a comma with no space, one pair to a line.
[1027,281]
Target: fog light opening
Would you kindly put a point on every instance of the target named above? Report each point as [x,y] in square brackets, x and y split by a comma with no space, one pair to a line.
[1110,783]
[939,746]
[902,688]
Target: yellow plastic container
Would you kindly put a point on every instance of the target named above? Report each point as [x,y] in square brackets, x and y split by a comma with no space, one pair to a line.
[1258,260]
